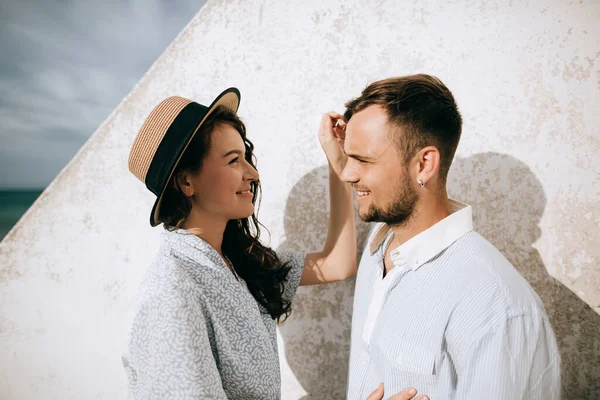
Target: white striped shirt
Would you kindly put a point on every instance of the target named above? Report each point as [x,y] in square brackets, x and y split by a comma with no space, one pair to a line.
[453,318]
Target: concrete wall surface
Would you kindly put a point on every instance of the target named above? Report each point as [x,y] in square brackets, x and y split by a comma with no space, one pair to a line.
[526,76]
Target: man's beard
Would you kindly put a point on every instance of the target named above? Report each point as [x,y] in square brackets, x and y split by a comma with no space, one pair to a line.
[401,209]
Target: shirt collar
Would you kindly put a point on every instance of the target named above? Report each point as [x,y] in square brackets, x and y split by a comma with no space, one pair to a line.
[429,243]
[190,246]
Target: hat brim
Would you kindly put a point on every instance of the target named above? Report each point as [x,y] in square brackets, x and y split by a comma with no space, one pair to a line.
[230,98]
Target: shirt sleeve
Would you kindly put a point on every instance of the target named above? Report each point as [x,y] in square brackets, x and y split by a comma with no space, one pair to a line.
[296,261]
[517,359]
[169,351]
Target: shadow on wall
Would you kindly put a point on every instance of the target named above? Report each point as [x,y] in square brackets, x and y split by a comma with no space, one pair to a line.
[508,202]
[317,334]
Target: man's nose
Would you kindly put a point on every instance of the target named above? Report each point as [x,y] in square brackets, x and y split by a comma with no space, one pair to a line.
[348,173]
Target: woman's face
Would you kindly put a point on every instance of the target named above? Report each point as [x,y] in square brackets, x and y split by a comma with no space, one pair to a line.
[223,185]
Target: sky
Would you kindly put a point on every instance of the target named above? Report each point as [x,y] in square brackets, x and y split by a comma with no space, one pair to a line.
[65,66]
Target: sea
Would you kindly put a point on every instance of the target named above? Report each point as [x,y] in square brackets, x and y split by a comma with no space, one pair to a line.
[13,204]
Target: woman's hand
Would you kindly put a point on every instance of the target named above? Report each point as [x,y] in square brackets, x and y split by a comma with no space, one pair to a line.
[338,259]
[406,394]
[332,134]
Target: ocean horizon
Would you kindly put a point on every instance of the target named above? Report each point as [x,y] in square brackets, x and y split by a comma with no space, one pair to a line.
[13,204]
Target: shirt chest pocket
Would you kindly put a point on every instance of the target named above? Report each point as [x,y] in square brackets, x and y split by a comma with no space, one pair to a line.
[407,363]
[406,356]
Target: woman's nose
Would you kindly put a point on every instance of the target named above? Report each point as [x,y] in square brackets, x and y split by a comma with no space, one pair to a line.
[251,173]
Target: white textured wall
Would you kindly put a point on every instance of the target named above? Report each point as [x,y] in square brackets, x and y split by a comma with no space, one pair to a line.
[526,76]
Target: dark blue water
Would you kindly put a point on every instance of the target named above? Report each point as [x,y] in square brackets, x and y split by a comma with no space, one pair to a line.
[13,204]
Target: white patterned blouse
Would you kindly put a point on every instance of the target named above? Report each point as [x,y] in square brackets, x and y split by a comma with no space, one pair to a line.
[197,332]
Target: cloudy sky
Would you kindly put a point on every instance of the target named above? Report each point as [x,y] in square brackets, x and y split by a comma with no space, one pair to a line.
[65,66]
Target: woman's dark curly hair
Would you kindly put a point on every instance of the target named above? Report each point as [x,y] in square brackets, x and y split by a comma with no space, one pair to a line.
[258,265]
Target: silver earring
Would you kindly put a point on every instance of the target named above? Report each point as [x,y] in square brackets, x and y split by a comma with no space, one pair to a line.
[420,182]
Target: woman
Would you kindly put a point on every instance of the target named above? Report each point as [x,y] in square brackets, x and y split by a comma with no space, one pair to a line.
[207,308]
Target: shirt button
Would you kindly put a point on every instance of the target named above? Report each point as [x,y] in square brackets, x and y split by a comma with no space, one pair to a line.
[364,357]
[399,360]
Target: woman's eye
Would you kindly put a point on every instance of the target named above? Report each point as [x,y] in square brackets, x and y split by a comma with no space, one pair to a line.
[234,160]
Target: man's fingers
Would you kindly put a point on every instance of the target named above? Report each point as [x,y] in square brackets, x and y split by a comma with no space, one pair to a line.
[377,394]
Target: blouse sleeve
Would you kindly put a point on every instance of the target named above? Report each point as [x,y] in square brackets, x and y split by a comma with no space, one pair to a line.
[295,260]
[170,355]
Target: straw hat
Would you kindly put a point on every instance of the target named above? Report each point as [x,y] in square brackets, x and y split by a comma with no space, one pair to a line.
[165,135]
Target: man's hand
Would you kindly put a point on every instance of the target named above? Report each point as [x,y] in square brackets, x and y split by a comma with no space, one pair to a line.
[406,394]
[332,134]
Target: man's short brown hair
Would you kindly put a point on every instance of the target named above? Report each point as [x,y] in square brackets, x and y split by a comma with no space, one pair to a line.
[422,107]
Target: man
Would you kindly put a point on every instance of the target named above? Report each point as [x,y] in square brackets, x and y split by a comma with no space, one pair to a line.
[436,306]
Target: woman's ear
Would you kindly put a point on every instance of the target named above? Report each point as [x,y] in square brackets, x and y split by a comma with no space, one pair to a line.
[182,182]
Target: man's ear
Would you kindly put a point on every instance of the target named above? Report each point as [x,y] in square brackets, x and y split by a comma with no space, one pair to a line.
[428,163]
